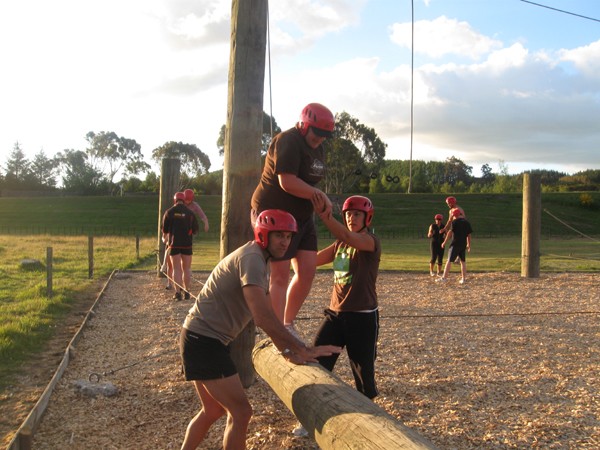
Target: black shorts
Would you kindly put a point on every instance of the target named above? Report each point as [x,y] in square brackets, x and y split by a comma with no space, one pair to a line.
[204,358]
[181,251]
[457,254]
[304,239]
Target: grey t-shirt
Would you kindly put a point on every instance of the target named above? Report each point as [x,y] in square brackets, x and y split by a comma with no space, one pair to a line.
[221,311]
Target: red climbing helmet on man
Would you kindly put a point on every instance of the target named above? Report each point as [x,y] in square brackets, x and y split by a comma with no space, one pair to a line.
[359,203]
[451,201]
[319,117]
[179,196]
[272,220]
[188,195]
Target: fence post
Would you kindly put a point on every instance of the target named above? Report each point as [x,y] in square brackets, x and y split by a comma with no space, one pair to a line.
[90,257]
[49,271]
[531,226]
[137,246]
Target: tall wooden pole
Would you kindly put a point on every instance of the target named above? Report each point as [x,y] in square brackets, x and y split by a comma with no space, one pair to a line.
[241,169]
[532,226]
[169,183]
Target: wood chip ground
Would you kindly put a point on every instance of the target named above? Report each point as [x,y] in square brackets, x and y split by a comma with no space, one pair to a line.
[501,362]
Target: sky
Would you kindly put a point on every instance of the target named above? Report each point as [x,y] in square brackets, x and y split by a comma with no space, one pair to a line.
[500,82]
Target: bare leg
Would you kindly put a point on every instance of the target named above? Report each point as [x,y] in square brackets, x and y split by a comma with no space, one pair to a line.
[463,269]
[305,266]
[177,272]
[280,276]
[186,267]
[218,396]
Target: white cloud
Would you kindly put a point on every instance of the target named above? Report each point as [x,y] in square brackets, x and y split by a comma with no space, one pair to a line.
[443,36]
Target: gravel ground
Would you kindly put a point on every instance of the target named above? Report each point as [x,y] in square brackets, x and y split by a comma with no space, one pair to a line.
[500,362]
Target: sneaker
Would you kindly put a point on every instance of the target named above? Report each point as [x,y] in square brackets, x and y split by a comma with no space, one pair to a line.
[292,329]
[299,430]
[186,295]
[431,274]
[177,296]
[461,281]
[440,280]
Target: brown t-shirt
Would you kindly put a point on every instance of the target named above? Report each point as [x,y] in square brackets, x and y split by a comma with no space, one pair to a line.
[288,153]
[354,278]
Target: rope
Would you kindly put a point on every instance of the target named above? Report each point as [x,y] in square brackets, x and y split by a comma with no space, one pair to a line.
[453,316]
[269,60]
[561,10]
[569,226]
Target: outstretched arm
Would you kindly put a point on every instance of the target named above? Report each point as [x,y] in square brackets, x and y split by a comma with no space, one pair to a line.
[360,241]
[292,348]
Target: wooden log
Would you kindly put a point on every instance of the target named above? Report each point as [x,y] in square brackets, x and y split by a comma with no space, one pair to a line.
[334,414]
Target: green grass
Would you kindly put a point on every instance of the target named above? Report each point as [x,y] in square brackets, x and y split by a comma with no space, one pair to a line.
[27,316]
[29,225]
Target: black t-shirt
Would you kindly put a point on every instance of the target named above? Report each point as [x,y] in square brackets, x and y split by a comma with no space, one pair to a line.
[180,223]
[288,153]
[461,228]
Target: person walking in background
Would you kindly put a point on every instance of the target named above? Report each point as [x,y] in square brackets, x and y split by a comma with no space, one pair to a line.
[180,224]
[452,205]
[195,208]
[236,292]
[460,232]
[352,318]
[436,237]
[294,164]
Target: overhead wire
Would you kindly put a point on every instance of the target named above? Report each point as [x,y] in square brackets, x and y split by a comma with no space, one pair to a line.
[561,10]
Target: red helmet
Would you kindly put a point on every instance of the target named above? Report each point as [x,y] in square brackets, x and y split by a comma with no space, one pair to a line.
[456,213]
[439,217]
[319,117]
[272,220]
[188,195]
[451,201]
[359,203]
[178,196]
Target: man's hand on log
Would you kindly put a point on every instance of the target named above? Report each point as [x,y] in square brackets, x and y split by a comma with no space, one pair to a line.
[310,354]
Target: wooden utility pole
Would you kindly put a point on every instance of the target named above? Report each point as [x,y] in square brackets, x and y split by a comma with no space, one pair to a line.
[532,226]
[241,167]
[169,183]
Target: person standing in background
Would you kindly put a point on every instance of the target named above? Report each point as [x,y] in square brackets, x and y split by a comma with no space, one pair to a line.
[294,164]
[436,237]
[460,232]
[180,224]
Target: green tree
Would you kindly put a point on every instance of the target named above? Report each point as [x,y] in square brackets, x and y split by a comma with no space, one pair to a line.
[193,161]
[43,170]
[79,176]
[111,154]
[270,129]
[456,171]
[17,169]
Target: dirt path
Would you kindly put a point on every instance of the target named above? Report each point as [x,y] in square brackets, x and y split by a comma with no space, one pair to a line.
[500,362]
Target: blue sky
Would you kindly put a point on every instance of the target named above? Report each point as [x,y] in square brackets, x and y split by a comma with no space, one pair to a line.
[499,82]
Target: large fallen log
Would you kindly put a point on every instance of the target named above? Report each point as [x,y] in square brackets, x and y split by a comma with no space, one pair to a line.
[334,414]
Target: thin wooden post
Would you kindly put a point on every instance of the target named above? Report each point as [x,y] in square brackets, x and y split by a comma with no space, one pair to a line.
[49,271]
[532,225]
[334,414]
[169,184]
[90,257]
[241,166]
[137,246]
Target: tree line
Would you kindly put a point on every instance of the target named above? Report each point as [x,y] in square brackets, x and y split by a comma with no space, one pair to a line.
[355,158]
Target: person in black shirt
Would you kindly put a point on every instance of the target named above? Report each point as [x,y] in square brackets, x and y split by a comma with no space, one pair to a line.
[180,224]
[460,232]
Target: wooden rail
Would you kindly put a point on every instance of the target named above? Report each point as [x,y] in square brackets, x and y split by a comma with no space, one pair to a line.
[334,414]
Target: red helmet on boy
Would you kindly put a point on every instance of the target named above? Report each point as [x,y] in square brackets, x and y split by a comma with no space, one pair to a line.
[451,201]
[439,217]
[188,195]
[272,220]
[319,117]
[359,203]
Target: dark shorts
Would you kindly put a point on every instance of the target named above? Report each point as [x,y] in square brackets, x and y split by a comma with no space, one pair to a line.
[181,251]
[437,253]
[304,239]
[457,254]
[204,358]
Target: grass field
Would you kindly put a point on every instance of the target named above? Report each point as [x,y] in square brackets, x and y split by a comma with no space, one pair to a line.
[29,226]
